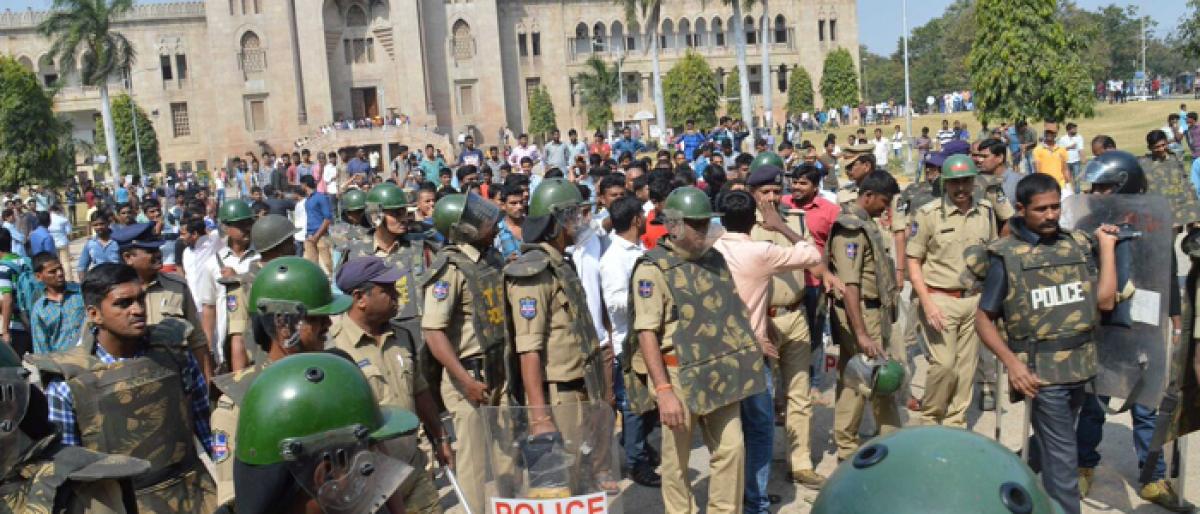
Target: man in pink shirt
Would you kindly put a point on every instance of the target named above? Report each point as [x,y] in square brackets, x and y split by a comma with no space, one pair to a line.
[752,265]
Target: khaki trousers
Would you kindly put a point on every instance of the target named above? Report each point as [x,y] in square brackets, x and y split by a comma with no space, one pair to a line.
[320,253]
[795,356]
[473,449]
[848,411]
[953,355]
[722,433]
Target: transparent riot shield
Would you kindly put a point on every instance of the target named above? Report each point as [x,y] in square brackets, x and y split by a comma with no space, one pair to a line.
[1133,340]
[553,459]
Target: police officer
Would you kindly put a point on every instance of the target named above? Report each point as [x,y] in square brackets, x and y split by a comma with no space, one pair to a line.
[386,355]
[557,347]
[167,295]
[858,160]
[942,233]
[790,322]
[1167,175]
[133,389]
[233,258]
[308,441]
[464,328]
[352,225]
[692,353]
[274,236]
[1043,280]
[860,317]
[291,304]
[40,474]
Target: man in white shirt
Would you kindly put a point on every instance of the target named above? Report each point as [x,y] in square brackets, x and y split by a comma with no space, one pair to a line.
[1072,141]
[882,148]
[616,271]
[329,175]
[60,230]
[300,219]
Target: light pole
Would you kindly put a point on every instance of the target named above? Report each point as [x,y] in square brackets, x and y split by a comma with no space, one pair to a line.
[137,141]
[907,93]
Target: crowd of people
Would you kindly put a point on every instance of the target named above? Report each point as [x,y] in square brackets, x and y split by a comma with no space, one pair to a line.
[691,289]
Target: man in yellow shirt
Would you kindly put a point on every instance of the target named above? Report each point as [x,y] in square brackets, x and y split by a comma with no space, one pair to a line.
[1050,158]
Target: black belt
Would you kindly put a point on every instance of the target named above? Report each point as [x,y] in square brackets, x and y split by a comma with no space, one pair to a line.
[576,385]
[1050,345]
[155,477]
[472,363]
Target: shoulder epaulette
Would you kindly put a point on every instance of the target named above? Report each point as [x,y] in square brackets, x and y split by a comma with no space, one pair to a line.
[528,264]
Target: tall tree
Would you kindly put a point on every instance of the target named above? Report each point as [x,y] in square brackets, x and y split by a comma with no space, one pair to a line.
[541,113]
[733,104]
[82,30]
[764,40]
[839,80]
[800,92]
[598,89]
[690,90]
[1010,75]
[1189,29]
[35,144]
[124,109]
[739,41]
[883,77]
[646,13]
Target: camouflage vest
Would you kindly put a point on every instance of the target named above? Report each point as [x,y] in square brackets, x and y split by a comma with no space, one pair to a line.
[341,236]
[409,258]
[916,196]
[532,261]
[486,281]
[885,279]
[135,407]
[1050,310]
[720,362]
[44,482]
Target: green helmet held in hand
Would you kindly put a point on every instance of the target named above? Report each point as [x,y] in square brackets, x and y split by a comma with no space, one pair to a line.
[689,203]
[771,158]
[355,200]
[889,376]
[387,196]
[295,285]
[934,469]
[234,210]
[553,195]
[464,218]
[958,166]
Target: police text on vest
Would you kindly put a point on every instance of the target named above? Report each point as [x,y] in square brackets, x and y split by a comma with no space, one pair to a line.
[1055,296]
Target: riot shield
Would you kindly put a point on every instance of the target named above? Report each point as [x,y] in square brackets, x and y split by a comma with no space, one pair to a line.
[552,459]
[1133,340]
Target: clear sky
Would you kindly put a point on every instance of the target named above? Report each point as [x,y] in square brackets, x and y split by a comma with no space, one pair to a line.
[879,20]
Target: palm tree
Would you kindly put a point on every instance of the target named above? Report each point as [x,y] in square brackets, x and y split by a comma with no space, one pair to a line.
[598,88]
[82,29]
[646,14]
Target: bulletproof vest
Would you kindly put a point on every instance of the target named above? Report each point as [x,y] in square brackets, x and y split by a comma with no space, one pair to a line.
[916,196]
[885,280]
[135,407]
[1050,310]
[989,187]
[532,261]
[486,281]
[720,362]
[44,481]
[234,385]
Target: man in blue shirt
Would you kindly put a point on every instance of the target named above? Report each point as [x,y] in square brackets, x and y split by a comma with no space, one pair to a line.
[40,240]
[100,248]
[359,163]
[319,215]
[691,139]
[627,145]
[431,165]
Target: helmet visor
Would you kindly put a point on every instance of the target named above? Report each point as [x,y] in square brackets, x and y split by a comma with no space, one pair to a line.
[14,399]
[690,238]
[343,471]
[1100,172]
[477,218]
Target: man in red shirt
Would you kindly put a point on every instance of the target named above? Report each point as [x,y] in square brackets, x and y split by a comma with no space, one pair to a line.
[599,147]
[655,229]
[819,215]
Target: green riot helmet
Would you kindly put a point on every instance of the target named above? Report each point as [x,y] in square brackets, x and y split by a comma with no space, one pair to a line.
[14,400]
[561,199]
[689,204]
[315,414]
[934,469]
[465,218]
[958,166]
[272,230]
[233,211]
[354,200]
[294,287]
[771,158]
[385,197]
[888,378]
[878,377]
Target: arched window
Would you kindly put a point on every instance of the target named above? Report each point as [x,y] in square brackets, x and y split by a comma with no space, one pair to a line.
[26,63]
[667,38]
[718,30]
[356,16]
[253,57]
[47,70]
[582,40]
[463,46]
[782,80]
[751,35]
[685,33]
[720,81]
[631,39]
[599,38]
[701,36]
[379,10]
[780,29]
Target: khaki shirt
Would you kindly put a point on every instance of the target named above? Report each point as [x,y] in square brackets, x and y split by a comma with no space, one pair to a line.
[168,296]
[653,310]
[542,322]
[389,367]
[851,259]
[990,188]
[847,194]
[453,311]
[224,422]
[237,299]
[939,236]
[787,289]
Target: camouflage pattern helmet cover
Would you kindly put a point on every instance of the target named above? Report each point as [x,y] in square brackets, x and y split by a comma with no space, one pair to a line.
[771,158]
[295,285]
[958,166]
[463,217]
[234,210]
[689,203]
[310,394]
[553,195]
[14,399]
[388,196]
[934,469]
[272,230]
[354,200]
[1117,168]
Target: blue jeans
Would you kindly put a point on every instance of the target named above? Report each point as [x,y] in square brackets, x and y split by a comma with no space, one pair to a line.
[635,429]
[1090,432]
[758,430]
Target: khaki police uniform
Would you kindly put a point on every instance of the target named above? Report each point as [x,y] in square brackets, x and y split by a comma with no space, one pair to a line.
[237,309]
[790,324]
[852,258]
[224,426]
[168,296]
[389,363]
[721,429]
[940,235]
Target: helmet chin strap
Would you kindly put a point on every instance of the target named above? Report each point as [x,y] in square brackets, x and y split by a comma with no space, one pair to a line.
[292,321]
